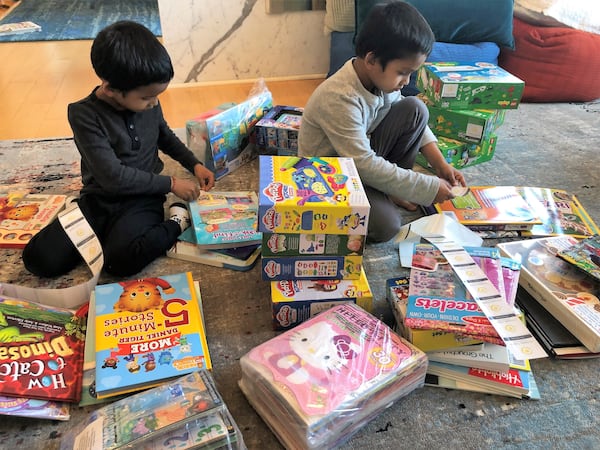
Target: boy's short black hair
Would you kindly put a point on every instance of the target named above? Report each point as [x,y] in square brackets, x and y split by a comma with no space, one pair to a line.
[394,30]
[127,55]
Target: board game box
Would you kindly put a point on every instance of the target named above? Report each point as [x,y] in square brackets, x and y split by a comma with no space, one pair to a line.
[277,131]
[469,85]
[311,267]
[463,154]
[311,195]
[296,244]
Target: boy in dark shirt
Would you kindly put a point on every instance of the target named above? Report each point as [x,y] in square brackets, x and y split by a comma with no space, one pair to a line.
[118,130]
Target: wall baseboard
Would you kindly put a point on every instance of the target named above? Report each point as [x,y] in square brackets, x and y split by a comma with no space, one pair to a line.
[248,80]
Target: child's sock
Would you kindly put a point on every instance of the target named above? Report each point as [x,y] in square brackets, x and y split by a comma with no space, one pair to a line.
[180,214]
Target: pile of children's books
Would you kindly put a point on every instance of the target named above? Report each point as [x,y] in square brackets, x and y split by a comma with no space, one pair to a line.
[223,232]
[318,384]
[313,213]
[467,102]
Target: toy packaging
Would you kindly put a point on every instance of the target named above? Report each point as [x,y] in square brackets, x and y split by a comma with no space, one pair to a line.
[296,244]
[469,85]
[311,267]
[463,154]
[294,302]
[316,195]
[277,131]
[473,126]
[318,384]
[226,144]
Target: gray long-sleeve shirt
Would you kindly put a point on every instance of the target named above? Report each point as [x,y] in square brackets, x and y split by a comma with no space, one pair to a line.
[338,121]
[119,149]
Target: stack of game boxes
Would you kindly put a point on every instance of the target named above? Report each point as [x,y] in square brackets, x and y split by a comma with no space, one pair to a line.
[313,213]
[467,102]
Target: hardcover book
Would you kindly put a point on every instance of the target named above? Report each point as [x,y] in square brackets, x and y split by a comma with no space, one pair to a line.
[491,357]
[142,417]
[147,332]
[502,207]
[34,408]
[225,219]
[22,215]
[41,350]
[567,293]
[311,195]
[561,213]
[585,255]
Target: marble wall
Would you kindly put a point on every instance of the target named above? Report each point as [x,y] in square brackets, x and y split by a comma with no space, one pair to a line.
[227,40]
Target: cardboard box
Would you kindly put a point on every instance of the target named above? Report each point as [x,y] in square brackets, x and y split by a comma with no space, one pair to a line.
[221,139]
[471,126]
[311,267]
[277,131]
[311,195]
[463,154]
[294,302]
[468,85]
[296,244]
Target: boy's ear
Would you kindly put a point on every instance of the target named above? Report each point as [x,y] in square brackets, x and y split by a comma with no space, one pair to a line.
[371,59]
[107,90]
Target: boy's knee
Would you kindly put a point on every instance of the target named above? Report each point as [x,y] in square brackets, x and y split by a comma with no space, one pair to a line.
[384,231]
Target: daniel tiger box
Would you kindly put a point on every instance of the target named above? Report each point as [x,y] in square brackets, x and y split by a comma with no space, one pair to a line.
[311,195]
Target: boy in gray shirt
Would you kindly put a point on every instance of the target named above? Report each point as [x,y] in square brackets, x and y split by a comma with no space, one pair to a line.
[360,113]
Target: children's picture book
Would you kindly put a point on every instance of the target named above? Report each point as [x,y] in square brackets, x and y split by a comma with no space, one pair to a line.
[584,255]
[566,292]
[551,334]
[498,206]
[41,350]
[317,384]
[34,408]
[491,356]
[22,215]
[145,416]
[225,219]
[311,195]
[560,211]
[147,332]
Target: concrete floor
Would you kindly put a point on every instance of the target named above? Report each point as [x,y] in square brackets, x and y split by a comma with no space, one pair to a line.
[547,145]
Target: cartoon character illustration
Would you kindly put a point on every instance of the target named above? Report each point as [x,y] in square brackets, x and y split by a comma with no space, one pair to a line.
[111,361]
[150,363]
[165,358]
[184,345]
[132,364]
[19,212]
[316,351]
[142,295]
[13,334]
[324,285]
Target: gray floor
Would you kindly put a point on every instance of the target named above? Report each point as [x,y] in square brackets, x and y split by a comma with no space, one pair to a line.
[551,145]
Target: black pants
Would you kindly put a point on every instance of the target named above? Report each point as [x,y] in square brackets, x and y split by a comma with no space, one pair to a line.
[132,232]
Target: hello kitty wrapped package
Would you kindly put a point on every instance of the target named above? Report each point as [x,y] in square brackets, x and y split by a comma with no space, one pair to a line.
[318,383]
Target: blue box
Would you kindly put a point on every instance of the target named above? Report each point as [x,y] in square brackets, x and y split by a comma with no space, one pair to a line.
[311,267]
[277,131]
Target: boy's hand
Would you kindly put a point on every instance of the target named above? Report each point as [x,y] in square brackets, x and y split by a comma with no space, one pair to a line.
[205,177]
[451,175]
[187,190]
[444,192]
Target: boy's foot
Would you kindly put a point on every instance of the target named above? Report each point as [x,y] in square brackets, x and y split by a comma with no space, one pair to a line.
[409,206]
[179,213]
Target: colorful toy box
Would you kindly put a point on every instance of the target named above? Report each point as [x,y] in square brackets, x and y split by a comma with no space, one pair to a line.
[292,244]
[471,126]
[311,267]
[468,85]
[311,195]
[221,138]
[463,154]
[277,131]
[293,302]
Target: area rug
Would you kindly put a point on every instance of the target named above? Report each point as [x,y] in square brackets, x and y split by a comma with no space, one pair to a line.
[63,20]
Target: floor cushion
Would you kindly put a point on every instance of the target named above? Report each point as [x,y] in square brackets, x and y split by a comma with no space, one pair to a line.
[558,64]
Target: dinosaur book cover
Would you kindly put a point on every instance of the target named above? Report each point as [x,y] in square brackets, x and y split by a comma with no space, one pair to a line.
[147,331]
[41,350]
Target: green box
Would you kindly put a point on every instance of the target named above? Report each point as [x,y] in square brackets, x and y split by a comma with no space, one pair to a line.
[463,154]
[472,126]
[469,85]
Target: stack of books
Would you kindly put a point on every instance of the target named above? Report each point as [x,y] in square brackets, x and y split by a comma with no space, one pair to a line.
[223,232]
[187,412]
[434,311]
[313,213]
[467,103]
[318,384]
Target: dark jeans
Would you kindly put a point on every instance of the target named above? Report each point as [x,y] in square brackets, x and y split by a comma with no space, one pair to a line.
[132,231]
[397,139]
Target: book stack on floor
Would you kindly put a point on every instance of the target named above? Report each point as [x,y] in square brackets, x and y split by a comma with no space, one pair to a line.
[434,311]
[41,357]
[223,232]
[467,103]
[187,412]
[318,384]
[313,213]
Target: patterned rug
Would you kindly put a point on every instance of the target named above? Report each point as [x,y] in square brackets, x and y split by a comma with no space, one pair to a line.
[63,20]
